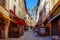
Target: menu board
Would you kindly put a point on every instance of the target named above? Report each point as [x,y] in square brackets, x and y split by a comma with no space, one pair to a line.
[42,30]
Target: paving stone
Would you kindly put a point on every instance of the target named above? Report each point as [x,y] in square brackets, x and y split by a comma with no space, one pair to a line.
[29,35]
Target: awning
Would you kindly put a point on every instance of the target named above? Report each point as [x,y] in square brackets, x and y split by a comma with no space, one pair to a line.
[7,17]
[53,18]
[18,20]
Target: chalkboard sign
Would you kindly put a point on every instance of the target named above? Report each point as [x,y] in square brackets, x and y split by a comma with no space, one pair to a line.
[42,30]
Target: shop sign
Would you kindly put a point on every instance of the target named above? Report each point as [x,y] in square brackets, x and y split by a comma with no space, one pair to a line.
[42,30]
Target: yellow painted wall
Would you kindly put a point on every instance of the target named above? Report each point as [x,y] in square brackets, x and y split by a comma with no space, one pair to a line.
[56,1]
[51,3]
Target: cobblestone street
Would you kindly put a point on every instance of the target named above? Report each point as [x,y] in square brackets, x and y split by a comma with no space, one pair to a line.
[30,35]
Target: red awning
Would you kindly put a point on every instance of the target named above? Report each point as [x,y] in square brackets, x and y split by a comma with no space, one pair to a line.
[18,20]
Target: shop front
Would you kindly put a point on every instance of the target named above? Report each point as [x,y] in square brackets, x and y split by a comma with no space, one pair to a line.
[2,28]
[13,30]
[55,17]
[55,26]
[17,26]
[47,26]
[4,22]
[59,26]
[42,30]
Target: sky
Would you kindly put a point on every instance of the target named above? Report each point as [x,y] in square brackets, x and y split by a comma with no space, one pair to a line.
[32,13]
[31,3]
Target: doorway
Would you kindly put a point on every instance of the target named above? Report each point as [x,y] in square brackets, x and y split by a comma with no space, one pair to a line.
[55,26]
[2,28]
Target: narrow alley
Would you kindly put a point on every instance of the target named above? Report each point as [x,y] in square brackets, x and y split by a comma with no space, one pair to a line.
[29,19]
